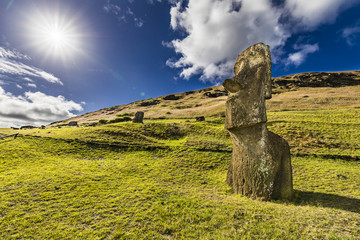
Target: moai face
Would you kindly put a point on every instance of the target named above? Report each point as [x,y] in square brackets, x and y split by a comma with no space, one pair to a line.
[255,58]
[249,87]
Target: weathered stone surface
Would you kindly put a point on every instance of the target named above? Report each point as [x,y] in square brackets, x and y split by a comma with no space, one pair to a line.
[139,117]
[245,105]
[260,165]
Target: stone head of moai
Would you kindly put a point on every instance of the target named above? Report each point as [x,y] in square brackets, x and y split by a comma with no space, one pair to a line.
[249,88]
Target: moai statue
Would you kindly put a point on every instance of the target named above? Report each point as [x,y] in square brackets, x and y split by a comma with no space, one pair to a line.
[260,165]
[139,116]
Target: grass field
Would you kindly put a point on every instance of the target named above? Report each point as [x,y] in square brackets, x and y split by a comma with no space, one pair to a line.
[165,179]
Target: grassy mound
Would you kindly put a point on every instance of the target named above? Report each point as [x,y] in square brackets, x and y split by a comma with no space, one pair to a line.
[165,179]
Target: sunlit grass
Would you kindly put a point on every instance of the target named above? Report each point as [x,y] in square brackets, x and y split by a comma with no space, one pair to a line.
[105,182]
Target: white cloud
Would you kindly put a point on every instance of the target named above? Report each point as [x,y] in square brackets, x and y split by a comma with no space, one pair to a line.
[32,85]
[299,57]
[217,31]
[34,108]
[311,14]
[19,86]
[167,44]
[351,34]
[12,63]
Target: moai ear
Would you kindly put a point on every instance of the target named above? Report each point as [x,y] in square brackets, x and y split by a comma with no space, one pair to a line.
[268,82]
[268,86]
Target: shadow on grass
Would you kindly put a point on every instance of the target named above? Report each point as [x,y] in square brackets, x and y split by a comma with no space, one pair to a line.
[327,200]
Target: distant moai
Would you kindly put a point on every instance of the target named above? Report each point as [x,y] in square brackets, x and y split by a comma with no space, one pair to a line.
[260,165]
[200,119]
[73,124]
[139,117]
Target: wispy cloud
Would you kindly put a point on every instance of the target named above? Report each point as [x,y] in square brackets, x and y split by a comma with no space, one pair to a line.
[153,1]
[14,63]
[299,57]
[215,32]
[138,22]
[123,14]
[34,108]
[12,54]
[32,85]
[351,34]
[112,8]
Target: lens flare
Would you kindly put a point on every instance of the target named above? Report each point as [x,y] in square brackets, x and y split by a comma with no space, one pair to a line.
[9,4]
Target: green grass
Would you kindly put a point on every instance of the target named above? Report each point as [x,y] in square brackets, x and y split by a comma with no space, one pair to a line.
[165,179]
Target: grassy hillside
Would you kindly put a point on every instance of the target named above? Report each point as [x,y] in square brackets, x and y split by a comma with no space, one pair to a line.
[304,91]
[165,179]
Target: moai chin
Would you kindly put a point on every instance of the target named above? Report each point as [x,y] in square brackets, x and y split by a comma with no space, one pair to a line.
[260,165]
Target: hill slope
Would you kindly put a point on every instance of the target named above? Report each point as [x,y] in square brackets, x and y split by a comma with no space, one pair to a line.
[165,179]
[300,91]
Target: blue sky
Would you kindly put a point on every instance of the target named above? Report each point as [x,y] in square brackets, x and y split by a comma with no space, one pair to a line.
[60,58]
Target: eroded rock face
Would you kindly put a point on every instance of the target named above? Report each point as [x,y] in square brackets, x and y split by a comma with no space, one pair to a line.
[260,165]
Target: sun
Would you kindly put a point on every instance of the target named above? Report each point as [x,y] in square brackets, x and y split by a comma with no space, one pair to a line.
[57,38]
[55,34]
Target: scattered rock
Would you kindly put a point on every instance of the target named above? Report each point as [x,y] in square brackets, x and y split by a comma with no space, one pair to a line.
[341,176]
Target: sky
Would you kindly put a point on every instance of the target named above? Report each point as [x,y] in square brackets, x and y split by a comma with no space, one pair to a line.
[64,58]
